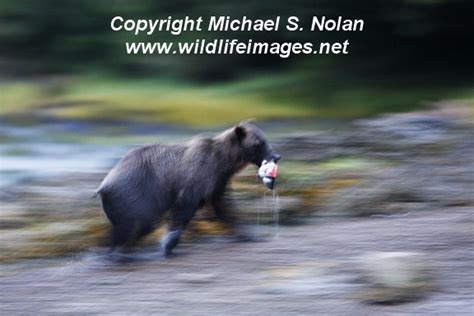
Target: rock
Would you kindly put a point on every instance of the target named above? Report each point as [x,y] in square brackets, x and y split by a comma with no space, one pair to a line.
[391,277]
[444,181]
[316,146]
[196,278]
[315,279]
[401,136]
[376,194]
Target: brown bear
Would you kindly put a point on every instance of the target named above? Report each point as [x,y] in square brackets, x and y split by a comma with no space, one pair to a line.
[180,178]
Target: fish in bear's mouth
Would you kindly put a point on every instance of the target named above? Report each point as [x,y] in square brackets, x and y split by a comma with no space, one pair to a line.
[268,173]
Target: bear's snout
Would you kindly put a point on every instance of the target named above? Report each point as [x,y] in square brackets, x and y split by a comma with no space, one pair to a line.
[275,157]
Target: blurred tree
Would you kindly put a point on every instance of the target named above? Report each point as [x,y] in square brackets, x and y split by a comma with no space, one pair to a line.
[400,37]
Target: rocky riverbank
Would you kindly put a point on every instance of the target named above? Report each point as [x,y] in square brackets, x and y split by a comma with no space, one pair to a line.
[380,211]
[388,165]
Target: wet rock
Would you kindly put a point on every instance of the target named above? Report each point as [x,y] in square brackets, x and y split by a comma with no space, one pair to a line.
[445,181]
[365,201]
[315,279]
[196,278]
[413,129]
[316,146]
[13,216]
[401,136]
[391,277]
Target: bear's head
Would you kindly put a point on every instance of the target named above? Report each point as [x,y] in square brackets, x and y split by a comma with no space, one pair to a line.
[255,147]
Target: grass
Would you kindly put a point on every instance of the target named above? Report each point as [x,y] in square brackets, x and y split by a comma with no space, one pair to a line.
[19,96]
[173,104]
[145,100]
[262,98]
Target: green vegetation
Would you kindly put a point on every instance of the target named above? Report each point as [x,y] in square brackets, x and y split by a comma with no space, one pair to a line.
[400,36]
[409,53]
[20,97]
[145,100]
[264,98]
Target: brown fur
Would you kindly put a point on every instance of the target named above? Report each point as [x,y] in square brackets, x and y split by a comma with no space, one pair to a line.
[180,178]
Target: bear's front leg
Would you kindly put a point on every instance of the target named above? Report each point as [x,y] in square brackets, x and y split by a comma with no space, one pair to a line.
[170,240]
[180,219]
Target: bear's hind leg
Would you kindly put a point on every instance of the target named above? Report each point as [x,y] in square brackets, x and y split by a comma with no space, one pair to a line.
[128,234]
[119,235]
[131,219]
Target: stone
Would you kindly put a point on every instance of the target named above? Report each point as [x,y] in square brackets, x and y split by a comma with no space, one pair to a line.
[392,277]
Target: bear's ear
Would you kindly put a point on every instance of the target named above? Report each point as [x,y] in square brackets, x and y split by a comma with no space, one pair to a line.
[240,132]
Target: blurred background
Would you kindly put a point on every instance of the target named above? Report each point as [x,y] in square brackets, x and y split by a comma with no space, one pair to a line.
[377,170]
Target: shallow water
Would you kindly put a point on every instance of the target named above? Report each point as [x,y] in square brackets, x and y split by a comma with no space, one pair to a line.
[41,150]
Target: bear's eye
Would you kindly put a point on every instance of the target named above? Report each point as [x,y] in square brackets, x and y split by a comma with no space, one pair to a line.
[258,142]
